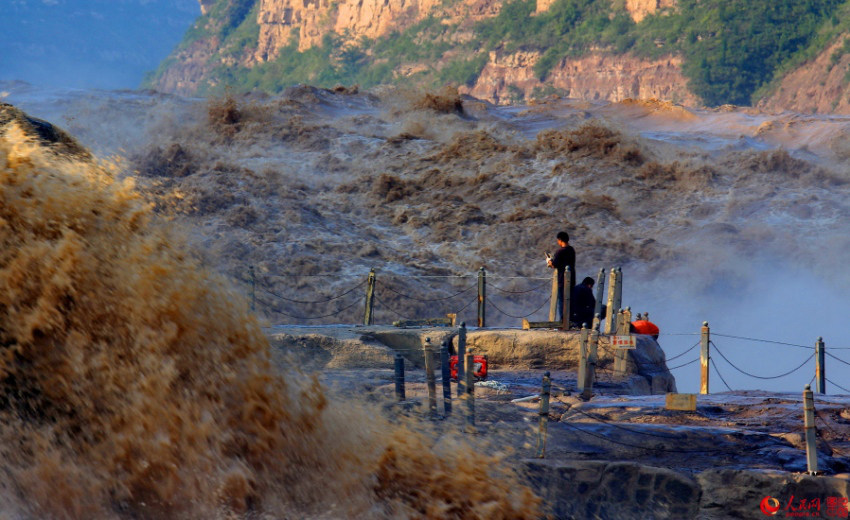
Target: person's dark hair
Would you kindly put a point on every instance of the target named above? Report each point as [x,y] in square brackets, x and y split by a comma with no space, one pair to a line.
[563,236]
[587,281]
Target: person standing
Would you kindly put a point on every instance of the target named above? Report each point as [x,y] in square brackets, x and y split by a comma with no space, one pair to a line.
[565,256]
[583,303]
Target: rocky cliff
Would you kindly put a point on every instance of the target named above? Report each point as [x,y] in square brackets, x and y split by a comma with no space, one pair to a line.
[509,51]
[821,85]
[599,76]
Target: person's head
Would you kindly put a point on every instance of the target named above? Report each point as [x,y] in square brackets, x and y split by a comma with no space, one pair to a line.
[563,238]
[588,281]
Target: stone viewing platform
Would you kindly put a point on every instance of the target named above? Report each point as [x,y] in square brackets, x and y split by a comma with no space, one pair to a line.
[375,346]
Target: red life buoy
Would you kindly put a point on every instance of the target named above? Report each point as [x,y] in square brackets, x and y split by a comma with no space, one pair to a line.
[480,367]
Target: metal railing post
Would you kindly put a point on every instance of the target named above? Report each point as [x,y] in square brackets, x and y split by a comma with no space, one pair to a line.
[565,323]
[612,311]
[600,292]
[482,296]
[469,369]
[705,339]
[553,302]
[582,356]
[461,357]
[370,298]
[429,376]
[809,423]
[543,414]
[820,366]
[446,375]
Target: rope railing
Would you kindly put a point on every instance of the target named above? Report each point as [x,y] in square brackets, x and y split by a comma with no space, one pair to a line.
[833,383]
[684,364]
[332,298]
[833,356]
[409,297]
[427,293]
[335,313]
[717,371]
[490,301]
[506,291]
[695,345]
[762,340]
[801,365]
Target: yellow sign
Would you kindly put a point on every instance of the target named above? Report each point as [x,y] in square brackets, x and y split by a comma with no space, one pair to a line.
[686,402]
[623,342]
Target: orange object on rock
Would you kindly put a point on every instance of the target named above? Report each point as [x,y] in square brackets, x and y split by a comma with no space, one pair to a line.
[646,327]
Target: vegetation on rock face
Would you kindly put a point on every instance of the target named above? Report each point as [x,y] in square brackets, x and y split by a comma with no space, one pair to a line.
[732,49]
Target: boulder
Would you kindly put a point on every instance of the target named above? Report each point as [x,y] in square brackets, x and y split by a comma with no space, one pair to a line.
[604,490]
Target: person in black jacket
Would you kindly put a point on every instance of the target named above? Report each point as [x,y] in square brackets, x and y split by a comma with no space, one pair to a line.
[565,256]
[583,303]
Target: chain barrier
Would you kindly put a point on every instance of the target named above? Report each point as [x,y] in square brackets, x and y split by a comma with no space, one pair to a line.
[695,345]
[506,291]
[389,308]
[833,356]
[387,287]
[833,383]
[488,300]
[386,273]
[284,298]
[684,365]
[761,377]
[762,341]
[340,311]
[711,360]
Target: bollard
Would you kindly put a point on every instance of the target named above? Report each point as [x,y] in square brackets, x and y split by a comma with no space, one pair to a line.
[582,356]
[611,314]
[446,373]
[597,320]
[565,323]
[429,377]
[553,301]
[618,289]
[600,292]
[544,416]
[621,356]
[370,298]
[705,339]
[809,423]
[469,367]
[592,360]
[820,367]
[399,377]
[461,357]
[253,289]
[482,295]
